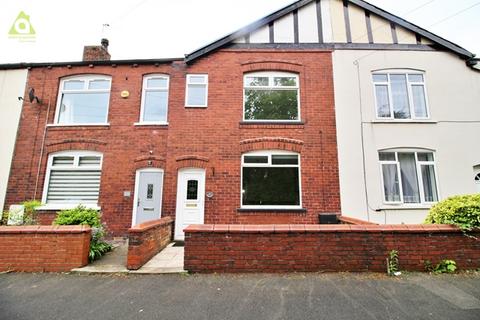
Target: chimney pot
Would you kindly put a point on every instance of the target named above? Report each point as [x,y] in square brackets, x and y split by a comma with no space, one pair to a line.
[105,43]
[97,53]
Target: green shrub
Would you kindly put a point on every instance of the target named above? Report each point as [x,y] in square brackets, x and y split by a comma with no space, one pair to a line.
[81,215]
[30,215]
[463,211]
[446,266]
[78,215]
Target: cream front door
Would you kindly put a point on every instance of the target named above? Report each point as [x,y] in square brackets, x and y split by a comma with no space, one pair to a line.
[190,199]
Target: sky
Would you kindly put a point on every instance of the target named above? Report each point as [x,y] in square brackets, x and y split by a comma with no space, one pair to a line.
[146,29]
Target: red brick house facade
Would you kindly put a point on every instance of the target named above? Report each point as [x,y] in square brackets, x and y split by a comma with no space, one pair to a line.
[213,138]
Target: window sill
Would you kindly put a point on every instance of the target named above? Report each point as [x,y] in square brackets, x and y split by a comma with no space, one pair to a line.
[397,121]
[196,107]
[150,124]
[76,125]
[272,124]
[278,210]
[386,207]
[56,207]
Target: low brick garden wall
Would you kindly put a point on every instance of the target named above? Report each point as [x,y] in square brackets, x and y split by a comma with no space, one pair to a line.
[311,248]
[146,240]
[43,248]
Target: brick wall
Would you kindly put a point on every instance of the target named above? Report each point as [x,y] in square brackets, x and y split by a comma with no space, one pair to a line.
[44,248]
[46,217]
[287,248]
[146,240]
[212,138]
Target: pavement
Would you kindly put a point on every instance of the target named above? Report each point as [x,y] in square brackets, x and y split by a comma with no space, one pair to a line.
[169,260]
[247,296]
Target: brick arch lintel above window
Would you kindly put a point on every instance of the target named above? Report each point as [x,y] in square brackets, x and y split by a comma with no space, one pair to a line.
[271,143]
[269,65]
[75,144]
[191,161]
[149,161]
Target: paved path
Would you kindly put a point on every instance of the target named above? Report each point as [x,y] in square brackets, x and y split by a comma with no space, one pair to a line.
[169,260]
[252,297]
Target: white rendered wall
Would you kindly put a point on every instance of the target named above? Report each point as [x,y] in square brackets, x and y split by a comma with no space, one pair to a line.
[453,131]
[12,86]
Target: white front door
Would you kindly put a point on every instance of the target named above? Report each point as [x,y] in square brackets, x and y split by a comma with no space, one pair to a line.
[148,195]
[190,199]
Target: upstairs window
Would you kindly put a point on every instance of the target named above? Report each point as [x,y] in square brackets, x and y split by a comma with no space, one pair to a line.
[408,177]
[73,178]
[197,90]
[83,100]
[271,180]
[271,96]
[400,95]
[154,99]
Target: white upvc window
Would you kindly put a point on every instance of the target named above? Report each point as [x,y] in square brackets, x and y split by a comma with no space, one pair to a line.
[271,96]
[400,95]
[83,100]
[72,178]
[196,94]
[409,177]
[271,180]
[154,108]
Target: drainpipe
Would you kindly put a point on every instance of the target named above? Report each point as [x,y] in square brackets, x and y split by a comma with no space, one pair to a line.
[367,202]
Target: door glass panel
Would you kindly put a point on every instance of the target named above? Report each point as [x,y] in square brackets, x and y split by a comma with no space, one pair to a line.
[150,191]
[192,190]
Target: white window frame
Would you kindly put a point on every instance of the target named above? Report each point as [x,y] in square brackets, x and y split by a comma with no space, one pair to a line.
[87,79]
[406,73]
[271,75]
[146,89]
[187,90]
[268,154]
[76,155]
[418,164]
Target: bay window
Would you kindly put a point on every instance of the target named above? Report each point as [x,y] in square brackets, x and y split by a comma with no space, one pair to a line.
[400,95]
[271,179]
[83,100]
[271,96]
[408,177]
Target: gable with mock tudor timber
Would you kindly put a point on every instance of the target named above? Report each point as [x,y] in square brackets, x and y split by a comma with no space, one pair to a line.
[332,24]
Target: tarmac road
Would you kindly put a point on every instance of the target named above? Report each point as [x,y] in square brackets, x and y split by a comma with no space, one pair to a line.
[253,297]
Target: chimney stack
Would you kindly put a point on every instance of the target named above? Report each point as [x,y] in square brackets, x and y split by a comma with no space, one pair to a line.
[97,53]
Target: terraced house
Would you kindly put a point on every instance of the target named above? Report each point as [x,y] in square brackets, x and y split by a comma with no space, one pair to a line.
[324,106]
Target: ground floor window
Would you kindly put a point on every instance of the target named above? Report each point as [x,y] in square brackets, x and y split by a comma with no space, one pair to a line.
[408,177]
[73,178]
[271,179]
